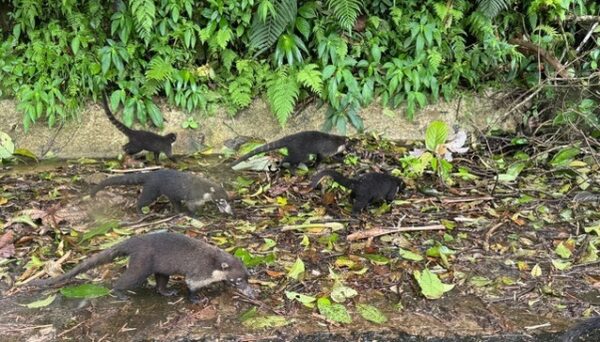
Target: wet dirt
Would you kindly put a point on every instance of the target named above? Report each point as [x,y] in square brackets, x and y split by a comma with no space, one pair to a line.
[512,306]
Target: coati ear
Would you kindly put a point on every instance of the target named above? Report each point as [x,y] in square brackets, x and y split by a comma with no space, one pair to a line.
[224,265]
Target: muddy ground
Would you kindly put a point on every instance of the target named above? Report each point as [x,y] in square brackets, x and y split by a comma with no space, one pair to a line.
[520,253]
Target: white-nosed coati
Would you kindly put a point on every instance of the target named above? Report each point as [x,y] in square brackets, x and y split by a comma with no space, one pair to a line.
[141,140]
[367,188]
[580,329]
[184,190]
[165,254]
[300,146]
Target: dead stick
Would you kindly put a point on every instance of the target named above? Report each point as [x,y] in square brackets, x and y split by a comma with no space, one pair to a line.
[466,199]
[383,231]
[149,168]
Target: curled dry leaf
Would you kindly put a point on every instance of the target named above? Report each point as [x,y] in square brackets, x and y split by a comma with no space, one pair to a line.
[7,248]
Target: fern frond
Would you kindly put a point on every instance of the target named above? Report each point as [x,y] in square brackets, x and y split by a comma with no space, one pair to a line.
[240,90]
[435,59]
[159,69]
[282,93]
[263,34]
[310,77]
[144,13]
[346,11]
[491,8]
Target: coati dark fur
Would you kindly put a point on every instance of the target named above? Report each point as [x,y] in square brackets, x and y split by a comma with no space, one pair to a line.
[142,140]
[165,254]
[367,188]
[300,146]
[185,191]
[580,329]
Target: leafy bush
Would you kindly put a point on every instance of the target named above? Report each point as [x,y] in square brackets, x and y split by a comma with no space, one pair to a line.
[347,53]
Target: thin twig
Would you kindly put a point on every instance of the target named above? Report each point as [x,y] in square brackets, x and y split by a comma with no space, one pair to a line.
[384,231]
[149,168]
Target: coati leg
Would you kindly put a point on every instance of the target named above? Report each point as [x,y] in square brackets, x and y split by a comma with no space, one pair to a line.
[149,195]
[131,148]
[156,157]
[391,194]
[360,203]
[161,285]
[137,271]
[293,159]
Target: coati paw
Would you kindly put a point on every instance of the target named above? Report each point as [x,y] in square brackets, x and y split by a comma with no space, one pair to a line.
[168,293]
[120,295]
[195,299]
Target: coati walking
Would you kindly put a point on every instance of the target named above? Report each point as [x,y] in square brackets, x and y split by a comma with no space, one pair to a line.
[184,190]
[141,140]
[367,188]
[580,329]
[300,146]
[165,254]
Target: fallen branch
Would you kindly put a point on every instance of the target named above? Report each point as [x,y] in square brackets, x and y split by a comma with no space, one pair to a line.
[384,231]
[533,49]
[466,199]
[149,168]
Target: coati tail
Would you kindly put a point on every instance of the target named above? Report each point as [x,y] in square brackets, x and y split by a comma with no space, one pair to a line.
[580,329]
[264,148]
[336,176]
[101,258]
[120,126]
[131,179]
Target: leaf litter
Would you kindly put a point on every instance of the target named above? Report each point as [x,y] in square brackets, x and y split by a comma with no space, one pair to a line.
[507,241]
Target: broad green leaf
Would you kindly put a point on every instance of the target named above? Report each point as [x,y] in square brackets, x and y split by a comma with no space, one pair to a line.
[561,265]
[84,291]
[102,229]
[23,152]
[302,298]
[251,260]
[7,147]
[263,322]
[512,173]
[479,281]
[564,157]
[409,255]
[431,286]
[333,311]
[371,313]
[341,292]
[562,251]
[41,303]
[297,269]
[436,134]
[536,271]
[377,259]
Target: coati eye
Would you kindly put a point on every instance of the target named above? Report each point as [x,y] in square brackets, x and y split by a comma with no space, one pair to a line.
[224,266]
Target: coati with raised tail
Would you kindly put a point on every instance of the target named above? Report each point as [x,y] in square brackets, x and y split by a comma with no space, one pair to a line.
[185,191]
[165,254]
[142,140]
[367,188]
[581,329]
[300,146]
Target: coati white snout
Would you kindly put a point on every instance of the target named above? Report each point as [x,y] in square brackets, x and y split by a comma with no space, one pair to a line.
[367,188]
[300,146]
[140,140]
[185,191]
[165,254]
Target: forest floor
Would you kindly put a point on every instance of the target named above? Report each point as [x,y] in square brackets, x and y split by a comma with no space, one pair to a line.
[503,247]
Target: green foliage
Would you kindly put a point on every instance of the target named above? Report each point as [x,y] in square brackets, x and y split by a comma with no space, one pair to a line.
[282,92]
[345,11]
[347,53]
